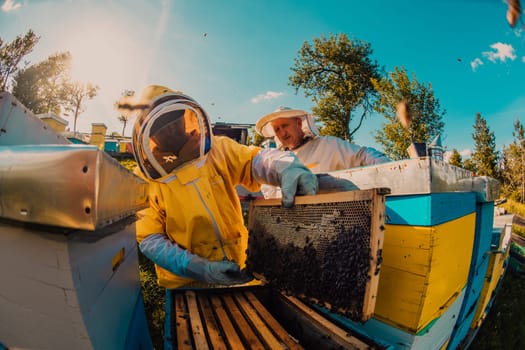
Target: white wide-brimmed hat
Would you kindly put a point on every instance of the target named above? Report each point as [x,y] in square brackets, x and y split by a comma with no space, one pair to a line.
[264,126]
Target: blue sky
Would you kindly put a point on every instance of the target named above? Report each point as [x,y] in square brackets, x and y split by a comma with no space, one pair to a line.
[234,56]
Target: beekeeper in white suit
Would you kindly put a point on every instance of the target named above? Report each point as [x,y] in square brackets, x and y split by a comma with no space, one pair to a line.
[294,130]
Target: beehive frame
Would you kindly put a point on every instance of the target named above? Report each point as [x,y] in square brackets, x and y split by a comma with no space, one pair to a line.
[326,249]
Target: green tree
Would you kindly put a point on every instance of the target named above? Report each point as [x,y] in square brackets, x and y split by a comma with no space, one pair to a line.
[455,159]
[485,156]
[74,94]
[336,73]
[40,87]
[513,174]
[470,165]
[125,114]
[11,54]
[257,138]
[426,114]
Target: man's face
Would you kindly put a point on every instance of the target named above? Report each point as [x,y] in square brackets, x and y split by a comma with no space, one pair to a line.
[288,131]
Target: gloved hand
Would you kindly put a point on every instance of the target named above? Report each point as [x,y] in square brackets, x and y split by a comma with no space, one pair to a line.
[278,168]
[168,255]
[297,180]
[217,272]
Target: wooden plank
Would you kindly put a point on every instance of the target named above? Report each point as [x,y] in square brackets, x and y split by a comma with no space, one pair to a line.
[377,237]
[216,339]
[199,337]
[325,197]
[272,322]
[271,341]
[181,322]
[243,326]
[229,330]
[338,334]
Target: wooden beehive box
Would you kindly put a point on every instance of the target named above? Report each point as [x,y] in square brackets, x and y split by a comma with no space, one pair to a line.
[326,249]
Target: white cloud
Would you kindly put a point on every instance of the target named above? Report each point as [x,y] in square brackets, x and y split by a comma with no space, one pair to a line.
[465,153]
[502,52]
[475,64]
[269,95]
[10,5]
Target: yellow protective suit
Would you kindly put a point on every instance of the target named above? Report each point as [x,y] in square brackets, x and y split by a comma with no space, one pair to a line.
[200,203]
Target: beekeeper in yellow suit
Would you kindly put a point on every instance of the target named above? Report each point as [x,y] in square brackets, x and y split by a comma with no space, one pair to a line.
[194,230]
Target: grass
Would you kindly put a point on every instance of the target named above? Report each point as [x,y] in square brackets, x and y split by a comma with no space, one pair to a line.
[129,164]
[154,300]
[504,327]
[520,231]
[514,207]
[518,209]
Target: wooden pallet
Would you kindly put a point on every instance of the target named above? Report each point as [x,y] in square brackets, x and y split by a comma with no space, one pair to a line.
[239,318]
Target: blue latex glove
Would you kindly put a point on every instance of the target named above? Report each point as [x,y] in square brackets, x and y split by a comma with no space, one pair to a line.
[279,168]
[168,255]
[297,180]
[217,272]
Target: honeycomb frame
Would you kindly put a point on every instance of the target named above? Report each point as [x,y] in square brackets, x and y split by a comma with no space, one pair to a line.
[326,249]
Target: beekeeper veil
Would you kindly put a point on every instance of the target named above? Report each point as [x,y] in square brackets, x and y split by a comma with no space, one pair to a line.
[170,132]
[264,124]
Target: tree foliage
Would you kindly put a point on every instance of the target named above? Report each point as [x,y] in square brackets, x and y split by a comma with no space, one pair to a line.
[124,113]
[74,94]
[469,165]
[46,87]
[11,55]
[513,175]
[40,87]
[336,73]
[485,156]
[455,159]
[426,113]
[257,139]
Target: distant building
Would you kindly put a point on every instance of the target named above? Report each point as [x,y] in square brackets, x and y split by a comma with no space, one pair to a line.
[119,146]
[238,132]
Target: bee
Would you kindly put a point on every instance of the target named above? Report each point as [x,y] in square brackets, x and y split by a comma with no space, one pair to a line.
[513,12]
[404,114]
